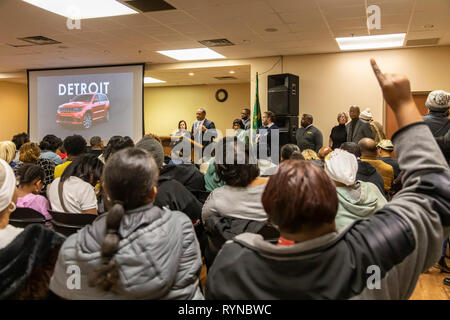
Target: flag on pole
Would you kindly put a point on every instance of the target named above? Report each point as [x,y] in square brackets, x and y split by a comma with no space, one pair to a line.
[256,121]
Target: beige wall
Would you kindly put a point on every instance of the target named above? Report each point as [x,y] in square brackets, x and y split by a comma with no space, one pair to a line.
[165,106]
[330,83]
[13,109]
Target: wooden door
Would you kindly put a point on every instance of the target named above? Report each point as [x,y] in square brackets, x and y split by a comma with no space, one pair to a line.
[391,124]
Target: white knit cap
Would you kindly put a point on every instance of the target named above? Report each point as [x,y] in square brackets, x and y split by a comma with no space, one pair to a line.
[366,115]
[438,100]
[341,166]
[8,187]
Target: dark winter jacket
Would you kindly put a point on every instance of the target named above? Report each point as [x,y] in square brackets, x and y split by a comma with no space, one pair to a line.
[368,173]
[26,264]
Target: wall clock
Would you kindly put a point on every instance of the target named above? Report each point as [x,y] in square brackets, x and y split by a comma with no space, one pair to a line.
[221,95]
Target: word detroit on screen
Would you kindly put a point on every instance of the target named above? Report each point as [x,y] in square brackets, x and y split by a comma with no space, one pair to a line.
[93,87]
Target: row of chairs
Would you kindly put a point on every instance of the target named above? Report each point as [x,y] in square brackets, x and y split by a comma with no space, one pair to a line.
[61,222]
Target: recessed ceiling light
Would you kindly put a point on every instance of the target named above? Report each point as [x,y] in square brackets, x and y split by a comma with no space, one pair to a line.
[192,54]
[152,80]
[83,9]
[371,42]
[231,71]
[191,74]
[271,30]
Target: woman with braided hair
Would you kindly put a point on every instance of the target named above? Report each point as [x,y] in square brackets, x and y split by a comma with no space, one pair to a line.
[136,250]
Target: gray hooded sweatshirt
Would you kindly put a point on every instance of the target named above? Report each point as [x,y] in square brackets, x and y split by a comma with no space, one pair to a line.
[359,201]
[158,257]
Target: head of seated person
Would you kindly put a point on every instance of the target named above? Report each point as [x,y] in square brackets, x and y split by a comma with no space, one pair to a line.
[7,151]
[368,148]
[87,167]
[323,152]
[80,179]
[357,199]
[301,200]
[31,183]
[351,147]
[75,146]
[291,152]
[153,146]
[29,153]
[20,139]
[235,165]
[50,143]
[115,144]
[8,200]
[311,155]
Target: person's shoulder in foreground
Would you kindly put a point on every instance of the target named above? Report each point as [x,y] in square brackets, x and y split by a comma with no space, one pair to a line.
[387,252]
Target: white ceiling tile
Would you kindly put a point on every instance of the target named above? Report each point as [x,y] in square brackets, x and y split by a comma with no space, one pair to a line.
[171,17]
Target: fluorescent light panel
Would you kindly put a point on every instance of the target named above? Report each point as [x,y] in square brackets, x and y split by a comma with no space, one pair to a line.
[83,9]
[152,80]
[192,54]
[371,42]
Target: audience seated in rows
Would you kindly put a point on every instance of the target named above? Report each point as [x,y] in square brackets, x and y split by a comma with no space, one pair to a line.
[30,153]
[75,146]
[74,191]
[366,171]
[49,146]
[357,199]
[314,261]
[31,177]
[122,251]
[369,154]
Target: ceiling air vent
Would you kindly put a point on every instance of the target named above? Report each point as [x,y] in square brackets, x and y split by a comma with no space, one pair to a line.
[422,42]
[33,41]
[39,40]
[149,5]
[217,43]
[226,78]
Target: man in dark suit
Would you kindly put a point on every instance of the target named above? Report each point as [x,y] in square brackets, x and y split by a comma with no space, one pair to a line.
[203,130]
[264,134]
[308,136]
[357,129]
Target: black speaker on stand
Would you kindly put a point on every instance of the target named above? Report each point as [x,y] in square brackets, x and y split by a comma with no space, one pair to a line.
[283,100]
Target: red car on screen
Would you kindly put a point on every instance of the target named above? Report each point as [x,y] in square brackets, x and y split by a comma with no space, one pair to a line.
[84,109]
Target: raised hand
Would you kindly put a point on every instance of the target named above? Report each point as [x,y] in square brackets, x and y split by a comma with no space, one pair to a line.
[397,93]
[396,88]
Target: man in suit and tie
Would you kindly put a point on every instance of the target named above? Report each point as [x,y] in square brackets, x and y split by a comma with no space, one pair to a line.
[264,133]
[357,128]
[203,130]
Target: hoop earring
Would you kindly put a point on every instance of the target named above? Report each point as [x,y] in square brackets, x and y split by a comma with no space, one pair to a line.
[14,207]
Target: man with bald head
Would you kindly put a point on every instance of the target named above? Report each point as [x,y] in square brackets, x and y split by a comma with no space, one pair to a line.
[369,154]
[308,136]
[201,127]
[357,128]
